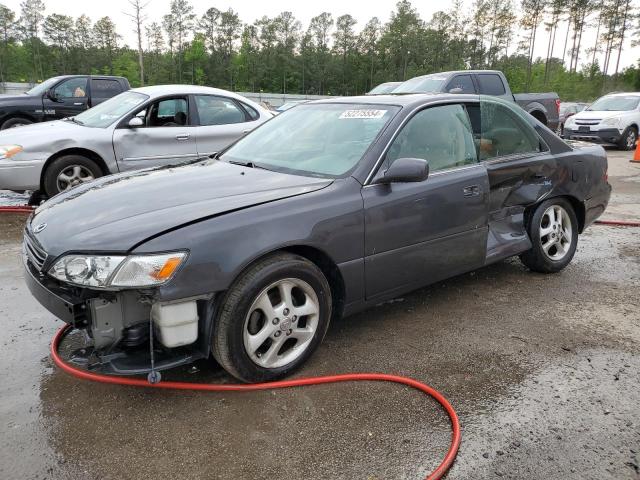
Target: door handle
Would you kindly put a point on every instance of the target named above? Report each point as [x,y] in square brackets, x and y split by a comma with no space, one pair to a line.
[184,136]
[247,131]
[471,190]
[77,104]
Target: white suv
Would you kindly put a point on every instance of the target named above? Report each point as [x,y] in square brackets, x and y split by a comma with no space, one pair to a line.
[611,120]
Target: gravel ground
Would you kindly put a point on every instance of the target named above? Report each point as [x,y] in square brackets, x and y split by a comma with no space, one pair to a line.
[543,370]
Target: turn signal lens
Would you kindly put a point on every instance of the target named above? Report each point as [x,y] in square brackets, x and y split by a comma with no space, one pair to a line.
[148,270]
[168,268]
[8,151]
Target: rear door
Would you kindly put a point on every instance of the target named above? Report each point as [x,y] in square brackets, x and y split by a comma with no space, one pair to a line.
[419,233]
[103,89]
[220,121]
[166,137]
[492,84]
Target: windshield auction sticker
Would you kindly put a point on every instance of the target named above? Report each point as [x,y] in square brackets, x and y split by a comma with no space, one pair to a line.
[362,114]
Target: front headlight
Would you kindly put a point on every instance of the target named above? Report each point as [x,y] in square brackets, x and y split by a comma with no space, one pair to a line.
[8,151]
[103,271]
[611,122]
[570,122]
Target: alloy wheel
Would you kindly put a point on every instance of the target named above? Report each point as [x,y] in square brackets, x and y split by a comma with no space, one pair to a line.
[281,323]
[631,139]
[73,175]
[555,232]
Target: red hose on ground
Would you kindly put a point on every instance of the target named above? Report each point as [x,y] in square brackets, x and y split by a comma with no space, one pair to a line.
[618,223]
[16,209]
[351,377]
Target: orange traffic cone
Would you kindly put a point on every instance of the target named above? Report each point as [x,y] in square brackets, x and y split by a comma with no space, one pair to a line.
[636,154]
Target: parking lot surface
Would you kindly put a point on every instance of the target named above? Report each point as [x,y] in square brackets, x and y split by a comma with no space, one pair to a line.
[542,369]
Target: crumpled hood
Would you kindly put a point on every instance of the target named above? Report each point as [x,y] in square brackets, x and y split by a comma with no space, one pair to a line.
[37,132]
[117,212]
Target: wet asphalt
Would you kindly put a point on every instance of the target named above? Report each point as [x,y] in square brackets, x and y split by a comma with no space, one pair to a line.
[544,371]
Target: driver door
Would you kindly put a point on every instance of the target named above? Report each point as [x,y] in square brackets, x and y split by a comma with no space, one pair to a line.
[70,99]
[166,137]
[421,232]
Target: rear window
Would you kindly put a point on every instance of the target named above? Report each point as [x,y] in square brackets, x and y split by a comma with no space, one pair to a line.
[104,88]
[491,84]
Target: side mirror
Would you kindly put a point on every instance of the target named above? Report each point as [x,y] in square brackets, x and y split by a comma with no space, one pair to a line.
[136,122]
[456,90]
[404,170]
[51,95]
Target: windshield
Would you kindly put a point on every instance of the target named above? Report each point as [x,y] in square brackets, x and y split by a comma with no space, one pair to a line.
[428,83]
[324,140]
[107,112]
[615,103]
[43,87]
[383,88]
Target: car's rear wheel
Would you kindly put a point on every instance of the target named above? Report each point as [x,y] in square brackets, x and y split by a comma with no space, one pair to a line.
[553,230]
[69,171]
[15,122]
[628,139]
[272,318]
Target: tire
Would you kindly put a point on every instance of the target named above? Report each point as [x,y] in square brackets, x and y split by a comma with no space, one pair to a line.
[543,233]
[76,168]
[15,122]
[628,139]
[250,345]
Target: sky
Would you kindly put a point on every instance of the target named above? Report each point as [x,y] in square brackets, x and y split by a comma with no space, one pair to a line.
[250,10]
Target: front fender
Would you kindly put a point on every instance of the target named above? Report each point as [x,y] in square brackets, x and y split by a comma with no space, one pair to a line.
[329,220]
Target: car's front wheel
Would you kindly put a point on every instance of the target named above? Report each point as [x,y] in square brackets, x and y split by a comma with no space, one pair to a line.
[628,139]
[69,171]
[272,318]
[553,230]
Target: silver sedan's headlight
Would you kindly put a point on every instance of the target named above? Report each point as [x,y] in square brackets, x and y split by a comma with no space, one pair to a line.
[104,271]
[8,151]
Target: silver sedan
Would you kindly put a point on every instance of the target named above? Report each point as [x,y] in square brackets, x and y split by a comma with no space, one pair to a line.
[140,128]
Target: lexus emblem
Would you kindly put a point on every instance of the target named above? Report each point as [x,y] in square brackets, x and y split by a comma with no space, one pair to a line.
[40,228]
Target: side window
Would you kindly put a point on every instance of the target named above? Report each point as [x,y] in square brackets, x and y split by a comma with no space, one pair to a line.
[214,110]
[104,88]
[463,82]
[442,135]
[168,112]
[72,88]
[252,112]
[499,131]
[491,84]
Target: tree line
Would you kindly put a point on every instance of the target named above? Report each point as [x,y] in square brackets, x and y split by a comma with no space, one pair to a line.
[333,55]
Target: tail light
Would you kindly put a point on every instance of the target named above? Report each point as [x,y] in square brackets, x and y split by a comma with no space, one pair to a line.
[558,106]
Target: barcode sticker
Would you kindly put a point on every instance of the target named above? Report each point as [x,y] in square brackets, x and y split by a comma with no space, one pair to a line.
[362,114]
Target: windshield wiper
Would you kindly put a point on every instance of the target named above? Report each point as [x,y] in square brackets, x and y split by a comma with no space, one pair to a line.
[74,120]
[248,164]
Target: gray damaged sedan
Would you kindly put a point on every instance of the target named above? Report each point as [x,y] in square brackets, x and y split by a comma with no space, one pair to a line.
[329,208]
[141,128]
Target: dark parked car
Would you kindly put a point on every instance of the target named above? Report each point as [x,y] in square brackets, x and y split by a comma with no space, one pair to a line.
[327,209]
[384,88]
[569,109]
[58,97]
[543,106]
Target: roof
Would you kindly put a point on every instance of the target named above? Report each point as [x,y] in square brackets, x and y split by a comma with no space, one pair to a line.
[407,99]
[181,89]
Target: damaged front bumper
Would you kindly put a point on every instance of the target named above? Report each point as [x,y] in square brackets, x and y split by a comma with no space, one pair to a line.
[120,325]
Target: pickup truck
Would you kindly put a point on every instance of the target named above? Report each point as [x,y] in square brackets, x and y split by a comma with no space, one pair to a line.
[545,107]
[58,97]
